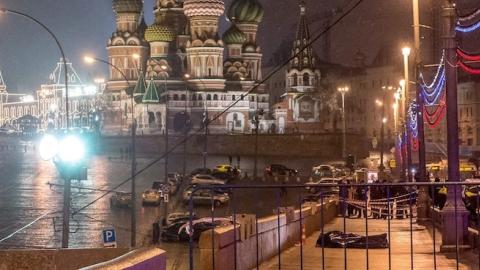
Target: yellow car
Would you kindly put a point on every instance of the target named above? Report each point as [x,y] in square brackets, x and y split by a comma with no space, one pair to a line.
[223,168]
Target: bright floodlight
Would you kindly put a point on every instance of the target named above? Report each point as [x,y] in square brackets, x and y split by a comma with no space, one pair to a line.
[48,147]
[89,59]
[406,51]
[71,149]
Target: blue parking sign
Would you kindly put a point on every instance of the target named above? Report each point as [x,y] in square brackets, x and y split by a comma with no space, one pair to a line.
[109,238]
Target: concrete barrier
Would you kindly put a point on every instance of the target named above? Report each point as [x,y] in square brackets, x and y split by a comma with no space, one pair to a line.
[290,233]
[64,259]
[139,259]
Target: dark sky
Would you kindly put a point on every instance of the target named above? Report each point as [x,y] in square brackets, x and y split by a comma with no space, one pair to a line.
[28,54]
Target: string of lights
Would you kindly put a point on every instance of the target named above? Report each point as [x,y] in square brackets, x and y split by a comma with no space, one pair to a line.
[469,69]
[469,28]
[467,56]
[412,114]
[432,92]
[432,98]
[468,17]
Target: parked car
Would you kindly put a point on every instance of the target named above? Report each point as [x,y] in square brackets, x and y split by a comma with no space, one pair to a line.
[121,199]
[181,231]
[226,172]
[205,179]
[200,171]
[323,171]
[151,196]
[325,190]
[204,196]
[178,217]
[278,169]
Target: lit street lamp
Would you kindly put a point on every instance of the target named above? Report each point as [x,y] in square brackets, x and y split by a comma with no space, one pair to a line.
[343,91]
[91,60]
[382,104]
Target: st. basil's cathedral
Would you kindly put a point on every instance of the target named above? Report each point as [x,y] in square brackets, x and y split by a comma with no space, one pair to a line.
[178,68]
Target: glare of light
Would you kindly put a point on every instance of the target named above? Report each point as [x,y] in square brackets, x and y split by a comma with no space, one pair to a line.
[406,51]
[378,102]
[186,76]
[343,89]
[164,67]
[396,95]
[99,80]
[395,106]
[28,98]
[384,120]
[48,148]
[89,59]
[71,149]
[136,56]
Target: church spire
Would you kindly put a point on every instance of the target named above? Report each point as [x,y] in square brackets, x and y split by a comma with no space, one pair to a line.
[3,86]
[306,58]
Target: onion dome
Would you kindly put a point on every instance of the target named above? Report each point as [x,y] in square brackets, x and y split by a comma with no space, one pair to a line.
[246,11]
[213,8]
[169,3]
[128,6]
[158,32]
[234,36]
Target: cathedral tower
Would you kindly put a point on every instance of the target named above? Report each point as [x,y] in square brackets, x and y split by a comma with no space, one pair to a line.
[247,15]
[127,41]
[205,48]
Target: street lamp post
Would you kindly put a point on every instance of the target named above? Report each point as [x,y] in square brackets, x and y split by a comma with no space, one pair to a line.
[185,123]
[406,53]
[167,99]
[133,225]
[381,168]
[343,91]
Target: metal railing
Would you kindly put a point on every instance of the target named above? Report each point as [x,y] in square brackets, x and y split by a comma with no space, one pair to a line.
[397,201]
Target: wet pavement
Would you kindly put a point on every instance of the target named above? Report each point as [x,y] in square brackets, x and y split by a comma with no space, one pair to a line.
[25,196]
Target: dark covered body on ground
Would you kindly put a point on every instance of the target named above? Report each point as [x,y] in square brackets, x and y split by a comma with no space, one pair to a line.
[337,239]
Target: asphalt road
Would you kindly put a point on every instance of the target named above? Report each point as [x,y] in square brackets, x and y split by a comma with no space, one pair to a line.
[25,196]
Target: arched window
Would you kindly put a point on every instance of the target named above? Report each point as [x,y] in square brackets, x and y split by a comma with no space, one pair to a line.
[295,80]
[183,97]
[200,97]
[306,79]
[210,66]
[209,97]
[233,97]
[194,97]
[215,97]
[175,97]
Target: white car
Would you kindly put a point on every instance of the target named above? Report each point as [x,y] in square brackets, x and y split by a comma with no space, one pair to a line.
[205,179]
[204,196]
[151,196]
[331,189]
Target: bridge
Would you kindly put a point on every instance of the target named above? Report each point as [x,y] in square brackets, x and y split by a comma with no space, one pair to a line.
[322,235]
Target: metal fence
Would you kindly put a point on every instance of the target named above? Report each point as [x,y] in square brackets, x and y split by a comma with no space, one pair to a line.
[387,201]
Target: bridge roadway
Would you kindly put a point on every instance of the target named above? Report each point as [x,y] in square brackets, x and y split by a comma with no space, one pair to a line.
[423,256]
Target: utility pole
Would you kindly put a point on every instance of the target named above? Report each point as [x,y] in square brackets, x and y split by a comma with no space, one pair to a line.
[455,216]
[343,91]
[66,211]
[256,122]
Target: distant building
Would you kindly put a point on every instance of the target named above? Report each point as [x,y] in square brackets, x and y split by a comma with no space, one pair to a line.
[49,105]
[300,105]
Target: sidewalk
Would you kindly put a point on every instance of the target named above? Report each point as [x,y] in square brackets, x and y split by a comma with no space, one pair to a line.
[378,258]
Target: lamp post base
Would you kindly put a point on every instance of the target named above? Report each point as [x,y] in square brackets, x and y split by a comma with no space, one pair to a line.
[454,219]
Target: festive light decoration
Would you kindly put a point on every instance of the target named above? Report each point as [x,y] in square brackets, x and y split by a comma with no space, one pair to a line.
[467,56]
[469,17]
[415,144]
[432,92]
[469,28]
[469,69]
[412,114]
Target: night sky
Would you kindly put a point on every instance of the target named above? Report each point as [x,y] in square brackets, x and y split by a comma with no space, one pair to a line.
[28,54]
